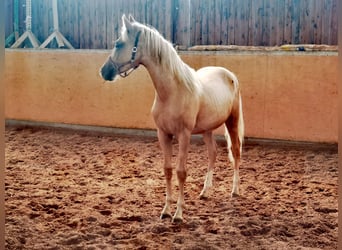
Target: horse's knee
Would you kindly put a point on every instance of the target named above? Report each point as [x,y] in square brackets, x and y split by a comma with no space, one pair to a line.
[181,174]
[168,173]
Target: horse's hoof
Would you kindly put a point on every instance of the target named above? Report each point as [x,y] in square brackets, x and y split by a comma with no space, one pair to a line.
[203,197]
[205,194]
[177,220]
[235,195]
[165,216]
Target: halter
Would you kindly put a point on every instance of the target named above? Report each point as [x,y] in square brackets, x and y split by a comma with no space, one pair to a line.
[125,73]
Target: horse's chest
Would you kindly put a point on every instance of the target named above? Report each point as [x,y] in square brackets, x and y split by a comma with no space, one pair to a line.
[173,118]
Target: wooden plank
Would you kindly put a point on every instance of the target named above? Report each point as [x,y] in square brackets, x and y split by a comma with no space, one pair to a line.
[101,24]
[325,23]
[41,18]
[182,17]
[90,21]
[281,29]
[168,20]
[243,16]
[193,20]
[257,12]
[248,12]
[204,23]
[160,14]
[251,22]
[9,18]
[277,18]
[287,22]
[218,22]
[196,17]
[237,22]
[316,22]
[266,23]
[295,19]
[334,24]
[73,34]
[84,13]
[224,22]
[211,22]
[273,22]
[303,24]
[148,6]
[154,17]
[231,22]
[175,20]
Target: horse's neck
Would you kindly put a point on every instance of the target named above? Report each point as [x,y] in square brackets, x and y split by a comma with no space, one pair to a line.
[164,81]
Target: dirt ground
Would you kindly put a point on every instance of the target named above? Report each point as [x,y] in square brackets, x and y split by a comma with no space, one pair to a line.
[78,190]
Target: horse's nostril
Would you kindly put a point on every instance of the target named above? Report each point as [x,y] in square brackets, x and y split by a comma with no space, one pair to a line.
[107,72]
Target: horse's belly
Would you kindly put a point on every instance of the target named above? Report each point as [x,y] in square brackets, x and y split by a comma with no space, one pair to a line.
[210,122]
[207,126]
[214,112]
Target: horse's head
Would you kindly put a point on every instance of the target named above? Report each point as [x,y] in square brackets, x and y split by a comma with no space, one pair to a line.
[125,56]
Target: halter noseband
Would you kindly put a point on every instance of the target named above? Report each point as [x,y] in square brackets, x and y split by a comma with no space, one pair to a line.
[125,73]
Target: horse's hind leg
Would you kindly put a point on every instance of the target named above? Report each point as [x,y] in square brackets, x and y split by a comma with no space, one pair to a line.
[236,146]
[212,152]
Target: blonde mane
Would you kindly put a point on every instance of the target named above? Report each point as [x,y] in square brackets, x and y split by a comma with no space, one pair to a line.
[158,47]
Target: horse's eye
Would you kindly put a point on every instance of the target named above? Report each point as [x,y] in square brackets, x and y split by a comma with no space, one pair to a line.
[118,44]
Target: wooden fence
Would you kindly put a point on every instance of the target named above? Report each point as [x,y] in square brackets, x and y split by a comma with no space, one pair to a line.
[94,24]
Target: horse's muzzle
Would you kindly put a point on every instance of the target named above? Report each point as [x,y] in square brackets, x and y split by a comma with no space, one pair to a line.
[108,72]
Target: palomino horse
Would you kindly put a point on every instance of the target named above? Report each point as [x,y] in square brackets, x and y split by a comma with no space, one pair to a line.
[186,102]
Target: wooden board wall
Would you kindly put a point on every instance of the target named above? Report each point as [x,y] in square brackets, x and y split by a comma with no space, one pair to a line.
[94,24]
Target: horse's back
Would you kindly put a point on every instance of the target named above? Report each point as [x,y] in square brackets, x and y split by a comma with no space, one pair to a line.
[217,79]
[213,75]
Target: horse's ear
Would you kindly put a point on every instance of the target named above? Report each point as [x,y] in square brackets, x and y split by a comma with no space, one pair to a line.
[131,19]
[126,22]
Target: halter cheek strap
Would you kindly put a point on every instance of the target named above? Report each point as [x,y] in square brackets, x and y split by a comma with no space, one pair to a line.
[125,73]
[135,48]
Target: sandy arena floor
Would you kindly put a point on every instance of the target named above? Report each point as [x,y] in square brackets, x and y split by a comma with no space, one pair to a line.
[76,190]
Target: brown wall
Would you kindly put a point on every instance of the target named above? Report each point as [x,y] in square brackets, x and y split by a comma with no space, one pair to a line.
[286,95]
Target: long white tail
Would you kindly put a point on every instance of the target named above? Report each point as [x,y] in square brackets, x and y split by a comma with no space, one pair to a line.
[241,132]
[241,125]
[229,144]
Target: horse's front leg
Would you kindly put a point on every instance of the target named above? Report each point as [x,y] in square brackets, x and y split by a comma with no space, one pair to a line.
[184,142]
[165,141]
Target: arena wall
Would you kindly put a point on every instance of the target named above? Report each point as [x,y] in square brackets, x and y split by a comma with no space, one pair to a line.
[286,95]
